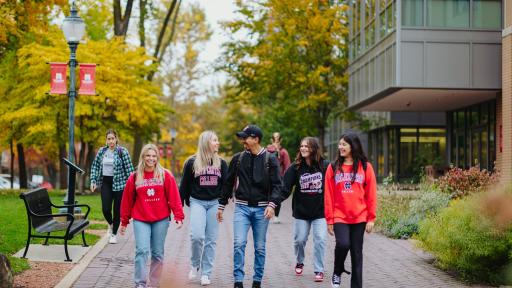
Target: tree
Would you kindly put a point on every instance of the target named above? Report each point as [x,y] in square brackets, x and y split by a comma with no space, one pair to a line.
[292,67]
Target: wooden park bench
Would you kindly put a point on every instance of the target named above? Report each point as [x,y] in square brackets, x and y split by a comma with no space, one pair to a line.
[43,221]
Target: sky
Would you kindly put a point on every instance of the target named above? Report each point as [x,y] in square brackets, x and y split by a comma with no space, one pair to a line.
[216,10]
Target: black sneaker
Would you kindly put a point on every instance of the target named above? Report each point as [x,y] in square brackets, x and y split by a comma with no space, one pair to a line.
[256,284]
[239,285]
[335,281]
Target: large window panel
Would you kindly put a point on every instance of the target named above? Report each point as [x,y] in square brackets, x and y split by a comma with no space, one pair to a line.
[412,13]
[448,13]
[487,14]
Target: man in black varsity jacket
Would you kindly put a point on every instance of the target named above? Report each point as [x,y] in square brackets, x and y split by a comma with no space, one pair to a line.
[253,175]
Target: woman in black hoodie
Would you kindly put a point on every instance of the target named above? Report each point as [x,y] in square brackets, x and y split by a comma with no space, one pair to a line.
[306,177]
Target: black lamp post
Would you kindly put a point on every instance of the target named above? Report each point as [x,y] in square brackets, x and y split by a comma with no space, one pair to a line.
[74,29]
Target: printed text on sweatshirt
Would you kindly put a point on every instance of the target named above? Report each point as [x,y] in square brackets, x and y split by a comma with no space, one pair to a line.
[350,202]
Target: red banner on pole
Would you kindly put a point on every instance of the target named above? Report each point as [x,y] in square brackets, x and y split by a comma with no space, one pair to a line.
[58,78]
[87,79]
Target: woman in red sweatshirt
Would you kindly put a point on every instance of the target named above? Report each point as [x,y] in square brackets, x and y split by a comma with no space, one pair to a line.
[149,197]
[350,206]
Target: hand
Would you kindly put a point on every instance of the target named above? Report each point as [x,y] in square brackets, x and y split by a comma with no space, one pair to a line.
[369,226]
[220,214]
[269,212]
[122,230]
[330,229]
[93,187]
[179,224]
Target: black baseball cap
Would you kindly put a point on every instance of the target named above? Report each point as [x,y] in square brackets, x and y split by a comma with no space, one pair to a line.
[250,131]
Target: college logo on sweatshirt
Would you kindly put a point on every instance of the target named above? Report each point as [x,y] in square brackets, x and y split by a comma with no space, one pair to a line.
[311,183]
[346,178]
[209,176]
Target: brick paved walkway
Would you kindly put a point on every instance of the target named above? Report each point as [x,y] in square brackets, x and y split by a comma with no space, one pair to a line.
[387,263]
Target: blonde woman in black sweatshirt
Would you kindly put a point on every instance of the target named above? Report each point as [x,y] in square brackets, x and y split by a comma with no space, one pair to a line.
[204,175]
[305,177]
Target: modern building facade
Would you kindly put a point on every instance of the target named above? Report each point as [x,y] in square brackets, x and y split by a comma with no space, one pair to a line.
[429,75]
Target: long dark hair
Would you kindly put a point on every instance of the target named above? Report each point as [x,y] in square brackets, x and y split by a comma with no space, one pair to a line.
[316,155]
[356,149]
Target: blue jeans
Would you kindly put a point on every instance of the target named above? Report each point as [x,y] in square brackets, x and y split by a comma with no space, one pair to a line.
[301,233]
[203,233]
[249,217]
[149,236]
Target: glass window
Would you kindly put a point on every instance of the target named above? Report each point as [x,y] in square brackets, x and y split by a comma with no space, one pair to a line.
[391,151]
[412,12]
[448,13]
[461,144]
[431,147]
[408,137]
[380,152]
[391,17]
[383,26]
[487,14]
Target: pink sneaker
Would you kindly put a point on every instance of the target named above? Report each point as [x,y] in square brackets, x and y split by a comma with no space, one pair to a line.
[319,276]
[299,268]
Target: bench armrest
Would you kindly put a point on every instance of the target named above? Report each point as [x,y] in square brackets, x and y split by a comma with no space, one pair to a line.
[74,205]
[52,215]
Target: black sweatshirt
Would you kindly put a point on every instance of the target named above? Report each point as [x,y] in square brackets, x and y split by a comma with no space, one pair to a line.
[206,185]
[258,186]
[308,198]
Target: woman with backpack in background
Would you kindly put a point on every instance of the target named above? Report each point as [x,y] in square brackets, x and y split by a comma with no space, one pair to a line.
[110,169]
[350,206]
[306,178]
[284,162]
[201,187]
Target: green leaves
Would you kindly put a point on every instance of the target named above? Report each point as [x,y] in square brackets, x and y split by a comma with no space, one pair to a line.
[291,64]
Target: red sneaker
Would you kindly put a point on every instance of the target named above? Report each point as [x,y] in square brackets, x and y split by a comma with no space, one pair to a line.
[299,268]
[319,276]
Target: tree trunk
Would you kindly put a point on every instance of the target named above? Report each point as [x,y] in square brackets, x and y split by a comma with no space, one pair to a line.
[12,163]
[137,147]
[121,22]
[63,175]
[22,166]
[88,161]
[142,18]
[81,164]
[51,169]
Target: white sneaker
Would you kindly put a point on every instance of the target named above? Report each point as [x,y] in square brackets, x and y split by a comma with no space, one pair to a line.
[205,280]
[109,231]
[276,220]
[113,239]
[193,273]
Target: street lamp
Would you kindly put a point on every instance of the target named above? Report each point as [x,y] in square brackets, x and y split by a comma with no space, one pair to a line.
[74,29]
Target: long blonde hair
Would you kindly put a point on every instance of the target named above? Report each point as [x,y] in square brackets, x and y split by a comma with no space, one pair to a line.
[159,170]
[205,155]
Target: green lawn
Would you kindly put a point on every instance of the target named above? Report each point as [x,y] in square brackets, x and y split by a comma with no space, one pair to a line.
[13,224]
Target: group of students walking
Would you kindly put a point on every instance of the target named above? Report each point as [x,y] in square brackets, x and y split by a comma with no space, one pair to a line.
[336,197]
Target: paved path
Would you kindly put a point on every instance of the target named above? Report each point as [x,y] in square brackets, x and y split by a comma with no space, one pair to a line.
[387,263]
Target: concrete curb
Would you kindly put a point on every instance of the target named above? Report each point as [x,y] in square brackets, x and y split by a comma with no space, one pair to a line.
[73,275]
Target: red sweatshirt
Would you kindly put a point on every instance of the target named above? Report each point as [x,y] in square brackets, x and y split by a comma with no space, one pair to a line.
[347,202]
[152,200]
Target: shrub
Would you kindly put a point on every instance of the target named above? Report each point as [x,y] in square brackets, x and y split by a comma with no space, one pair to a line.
[459,183]
[466,240]
[390,209]
[429,203]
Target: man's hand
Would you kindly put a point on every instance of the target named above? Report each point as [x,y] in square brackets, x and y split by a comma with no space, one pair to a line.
[93,187]
[330,229]
[122,230]
[269,212]
[220,215]
[369,226]
[179,224]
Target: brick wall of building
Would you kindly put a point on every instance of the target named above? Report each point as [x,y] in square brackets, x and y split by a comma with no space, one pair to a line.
[505,113]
